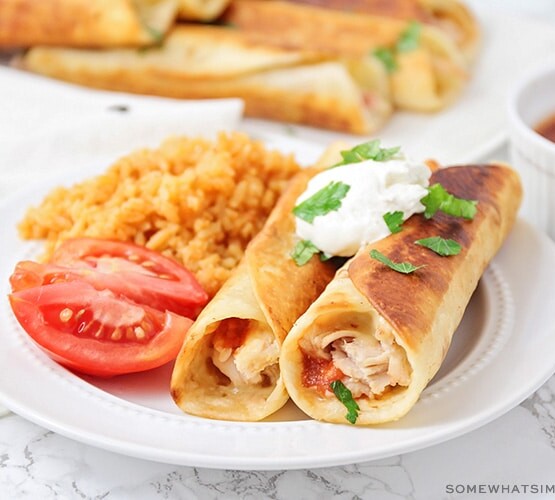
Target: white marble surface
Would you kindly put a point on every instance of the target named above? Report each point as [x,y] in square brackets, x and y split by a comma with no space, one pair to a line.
[516,450]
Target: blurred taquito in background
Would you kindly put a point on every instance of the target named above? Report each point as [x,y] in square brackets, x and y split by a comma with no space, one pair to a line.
[85,23]
[344,66]
[211,61]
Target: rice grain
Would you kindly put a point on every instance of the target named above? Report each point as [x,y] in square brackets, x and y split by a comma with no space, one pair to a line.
[197,201]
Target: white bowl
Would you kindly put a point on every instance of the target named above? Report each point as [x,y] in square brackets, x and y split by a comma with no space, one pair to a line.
[531,101]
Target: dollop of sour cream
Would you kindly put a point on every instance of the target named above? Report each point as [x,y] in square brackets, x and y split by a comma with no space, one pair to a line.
[376,188]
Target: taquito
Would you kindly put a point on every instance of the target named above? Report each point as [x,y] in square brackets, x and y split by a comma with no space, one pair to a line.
[426,74]
[453,17]
[228,367]
[84,23]
[384,334]
[210,62]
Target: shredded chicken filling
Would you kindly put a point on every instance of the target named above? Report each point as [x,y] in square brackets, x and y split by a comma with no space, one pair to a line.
[371,363]
[248,357]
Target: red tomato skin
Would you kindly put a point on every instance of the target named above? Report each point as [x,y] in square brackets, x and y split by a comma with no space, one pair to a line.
[89,355]
[84,252]
[76,250]
[155,292]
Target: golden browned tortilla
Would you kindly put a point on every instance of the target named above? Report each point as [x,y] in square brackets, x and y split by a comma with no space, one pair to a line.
[228,367]
[427,77]
[385,334]
[453,17]
[84,23]
[400,9]
[201,10]
[211,62]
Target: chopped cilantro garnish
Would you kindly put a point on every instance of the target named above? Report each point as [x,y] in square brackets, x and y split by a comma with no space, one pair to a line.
[394,221]
[400,267]
[327,199]
[370,150]
[441,246]
[439,199]
[303,252]
[410,38]
[346,397]
[156,35]
[387,57]
[407,41]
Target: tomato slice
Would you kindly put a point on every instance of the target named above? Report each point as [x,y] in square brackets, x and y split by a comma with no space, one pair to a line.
[136,272]
[170,296]
[98,332]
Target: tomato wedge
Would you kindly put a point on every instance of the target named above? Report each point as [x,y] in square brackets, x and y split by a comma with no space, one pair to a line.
[154,291]
[130,270]
[98,332]
[105,307]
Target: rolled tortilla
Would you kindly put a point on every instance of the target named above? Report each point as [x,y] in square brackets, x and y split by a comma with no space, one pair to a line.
[426,78]
[210,62]
[385,334]
[84,23]
[228,367]
[453,17]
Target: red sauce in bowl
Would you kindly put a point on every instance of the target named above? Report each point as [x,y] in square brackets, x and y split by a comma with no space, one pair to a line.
[546,128]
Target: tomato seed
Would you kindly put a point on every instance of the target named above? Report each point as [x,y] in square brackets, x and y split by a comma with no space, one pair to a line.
[65,315]
[129,334]
[79,313]
[165,276]
[148,263]
[133,257]
[140,333]
[116,334]
[98,333]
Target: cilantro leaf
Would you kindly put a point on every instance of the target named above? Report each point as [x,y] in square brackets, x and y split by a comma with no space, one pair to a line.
[156,35]
[303,252]
[394,221]
[370,150]
[407,41]
[387,57]
[410,38]
[385,154]
[433,200]
[400,267]
[439,199]
[441,246]
[327,199]
[346,397]
[459,207]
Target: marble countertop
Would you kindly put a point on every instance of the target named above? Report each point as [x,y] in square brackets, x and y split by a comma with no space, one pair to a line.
[515,451]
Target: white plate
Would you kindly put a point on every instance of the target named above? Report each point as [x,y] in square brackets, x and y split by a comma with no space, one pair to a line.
[502,352]
[475,124]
